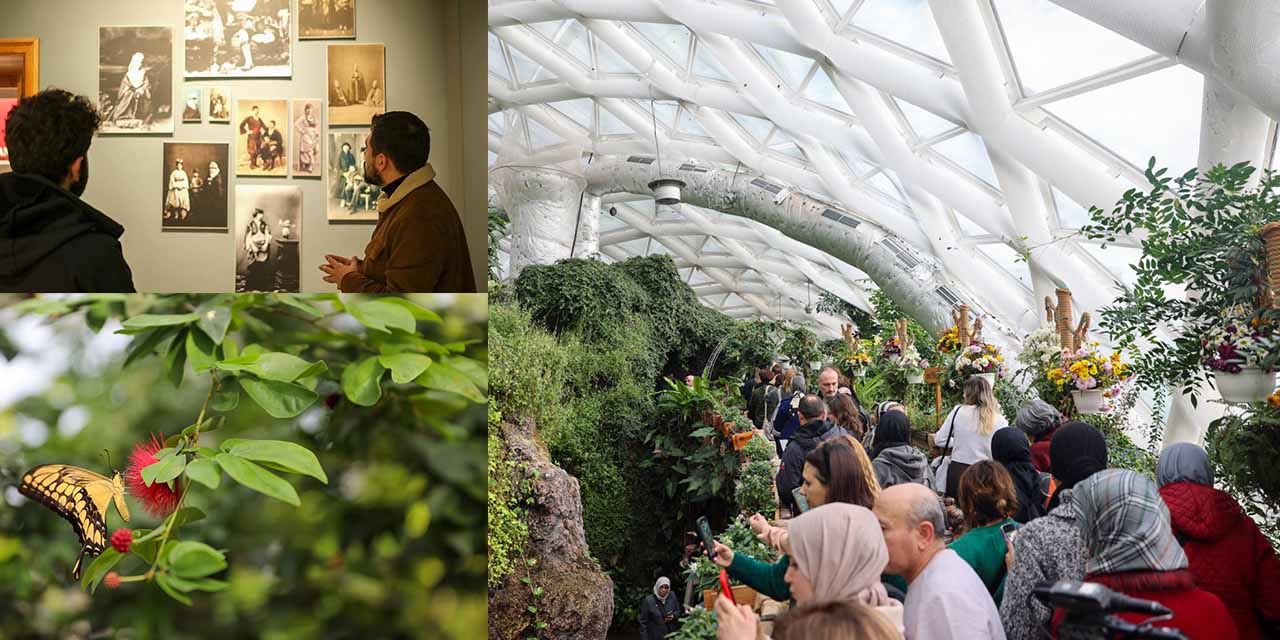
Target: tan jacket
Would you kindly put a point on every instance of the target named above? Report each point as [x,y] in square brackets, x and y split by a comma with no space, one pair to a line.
[418,245]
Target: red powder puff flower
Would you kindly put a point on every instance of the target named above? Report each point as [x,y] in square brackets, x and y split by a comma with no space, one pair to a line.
[158,499]
[111,581]
[121,540]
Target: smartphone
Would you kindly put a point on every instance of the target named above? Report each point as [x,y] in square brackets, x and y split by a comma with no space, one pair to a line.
[709,543]
[1009,530]
[801,501]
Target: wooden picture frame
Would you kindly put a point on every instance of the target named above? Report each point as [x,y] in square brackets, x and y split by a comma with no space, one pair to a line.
[29,48]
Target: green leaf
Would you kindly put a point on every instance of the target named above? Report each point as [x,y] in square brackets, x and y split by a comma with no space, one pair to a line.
[164,470]
[279,399]
[176,359]
[383,315]
[361,382]
[90,577]
[214,322]
[257,478]
[144,346]
[405,366]
[163,580]
[205,472]
[301,305]
[190,559]
[281,367]
[419,313]
[227,397]
[186,585]
[702,432]
[475,371]
[148,321]
[444,377]
[147,549]
[200,351]
[278,454]
[188,515]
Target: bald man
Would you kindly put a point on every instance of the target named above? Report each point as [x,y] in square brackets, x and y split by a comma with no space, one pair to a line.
[945,599]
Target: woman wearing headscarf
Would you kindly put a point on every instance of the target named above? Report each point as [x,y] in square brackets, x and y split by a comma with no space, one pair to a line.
[1011,449]
[659,612]
[1040,421]
[1131,550]
[893,458]
[1052,547]
[1226,551]
[133,99]
[837,553]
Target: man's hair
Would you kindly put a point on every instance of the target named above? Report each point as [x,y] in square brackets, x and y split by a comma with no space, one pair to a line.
[811,407]
[46,132]
[402,137]
[834,621]
[927,508]
[255,107]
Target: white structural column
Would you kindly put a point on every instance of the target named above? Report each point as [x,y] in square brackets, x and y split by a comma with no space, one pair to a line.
[1183,29]
[543,205]
[1232,130]
[588,236]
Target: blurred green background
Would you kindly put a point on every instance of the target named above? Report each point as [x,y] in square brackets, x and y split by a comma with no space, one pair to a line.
[392,547]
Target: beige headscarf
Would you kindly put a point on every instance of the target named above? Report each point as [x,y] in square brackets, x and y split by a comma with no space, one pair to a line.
[839,547]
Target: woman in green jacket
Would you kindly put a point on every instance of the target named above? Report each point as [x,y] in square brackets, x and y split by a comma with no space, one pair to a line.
[989,500]
[837,470]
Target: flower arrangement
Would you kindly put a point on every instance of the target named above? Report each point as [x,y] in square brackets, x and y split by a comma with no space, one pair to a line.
[858,361]
[980,357]
[892,349]
[1042,350]
[911,360]
[950,341]
[1237,343]
[1086,369]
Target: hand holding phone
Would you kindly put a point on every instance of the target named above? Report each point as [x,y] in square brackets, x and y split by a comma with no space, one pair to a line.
[709,545]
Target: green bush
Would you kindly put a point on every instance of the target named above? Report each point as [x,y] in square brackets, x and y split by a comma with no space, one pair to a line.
[755,489]
[507,533]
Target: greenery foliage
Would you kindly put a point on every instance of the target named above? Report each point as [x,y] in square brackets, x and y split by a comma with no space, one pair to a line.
[755,489]
[397,435]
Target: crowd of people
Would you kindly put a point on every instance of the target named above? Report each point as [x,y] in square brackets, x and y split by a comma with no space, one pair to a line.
[883,544]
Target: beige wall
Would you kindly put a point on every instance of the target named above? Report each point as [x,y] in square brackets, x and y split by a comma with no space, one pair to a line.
[429,72]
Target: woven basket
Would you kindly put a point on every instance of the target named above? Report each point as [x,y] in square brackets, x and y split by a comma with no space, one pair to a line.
[1270,233]
[1064,317]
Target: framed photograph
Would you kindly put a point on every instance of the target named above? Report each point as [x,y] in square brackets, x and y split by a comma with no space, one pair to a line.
[135,79]
[262,137]
[326,19]
[350,199]
[219,101]
[191,105]
[194,186]
[268,238]
[6,105]
[239,39]
[357,82]
[306,154]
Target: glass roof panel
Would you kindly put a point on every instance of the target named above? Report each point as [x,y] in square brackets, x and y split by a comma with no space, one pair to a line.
[671,40]
[968,151]
[497,62]
[923,122]
[822,91]
[789,67]
[906,22]
[757,128]
[608,60]
[706,65]
[581,111]
[1070,214]
[1009,260]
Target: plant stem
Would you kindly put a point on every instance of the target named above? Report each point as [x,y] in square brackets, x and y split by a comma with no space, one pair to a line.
[139,578]
[168,527]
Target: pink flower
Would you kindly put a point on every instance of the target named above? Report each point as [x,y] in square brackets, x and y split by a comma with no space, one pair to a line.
[158,499]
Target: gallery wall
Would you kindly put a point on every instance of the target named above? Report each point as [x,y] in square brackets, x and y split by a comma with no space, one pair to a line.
[426,75]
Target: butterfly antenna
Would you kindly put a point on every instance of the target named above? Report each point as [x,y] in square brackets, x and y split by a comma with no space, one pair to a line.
[108,454]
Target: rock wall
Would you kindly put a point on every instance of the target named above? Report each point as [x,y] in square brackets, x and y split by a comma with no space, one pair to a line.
[578,598]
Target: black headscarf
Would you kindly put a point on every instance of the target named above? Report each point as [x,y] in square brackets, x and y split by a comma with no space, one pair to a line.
[1076,452]
[893,429]
[1010,447]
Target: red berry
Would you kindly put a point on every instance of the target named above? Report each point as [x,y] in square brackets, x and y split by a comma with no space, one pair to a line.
[112,580]
[121,540]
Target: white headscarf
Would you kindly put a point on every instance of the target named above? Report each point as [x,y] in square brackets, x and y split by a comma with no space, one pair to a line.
[136,74]
[658,585]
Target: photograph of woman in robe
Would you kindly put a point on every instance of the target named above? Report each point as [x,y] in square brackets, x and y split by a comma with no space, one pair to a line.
[135,89]
[268,237]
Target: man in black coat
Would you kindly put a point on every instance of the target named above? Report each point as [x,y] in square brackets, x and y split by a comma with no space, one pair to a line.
[659,612]
[50,239]
[814,428]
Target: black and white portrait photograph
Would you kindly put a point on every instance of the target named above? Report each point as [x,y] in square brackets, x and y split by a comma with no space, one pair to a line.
[351,198]
[219,104]
[268,238]
[195,186]
[307,139]
[325,19]
[191,105]
[238,39]
[262,137]
[357,83]
[135,79]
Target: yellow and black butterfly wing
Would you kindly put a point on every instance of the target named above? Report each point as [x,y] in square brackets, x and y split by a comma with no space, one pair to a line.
[70,492]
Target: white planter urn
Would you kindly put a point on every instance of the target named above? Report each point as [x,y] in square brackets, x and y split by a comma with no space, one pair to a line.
[915,377]
[1250,385]
[1090,401]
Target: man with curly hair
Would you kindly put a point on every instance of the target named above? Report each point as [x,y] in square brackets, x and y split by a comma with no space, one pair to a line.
[50,239]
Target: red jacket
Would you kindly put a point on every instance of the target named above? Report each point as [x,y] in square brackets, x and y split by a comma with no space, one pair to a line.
[1040,452]
[1197,613]
[1228,555]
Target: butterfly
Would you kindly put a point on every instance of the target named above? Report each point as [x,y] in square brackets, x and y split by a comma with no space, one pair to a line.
[80,496]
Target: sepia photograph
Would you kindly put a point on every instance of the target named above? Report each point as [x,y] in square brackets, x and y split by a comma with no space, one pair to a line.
[191,105]
[238,39]
[194,186]
[307,139]
[268,237]
[357,83]
[351,199]
[261,142]
[135,79]
[219,104]
[325,19]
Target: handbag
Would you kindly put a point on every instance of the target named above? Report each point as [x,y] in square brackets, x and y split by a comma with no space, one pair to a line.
[940,464]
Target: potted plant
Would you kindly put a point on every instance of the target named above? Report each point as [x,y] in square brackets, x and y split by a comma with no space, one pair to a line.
[912,365]
[1092,378]
[1234,350]
[983,360]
